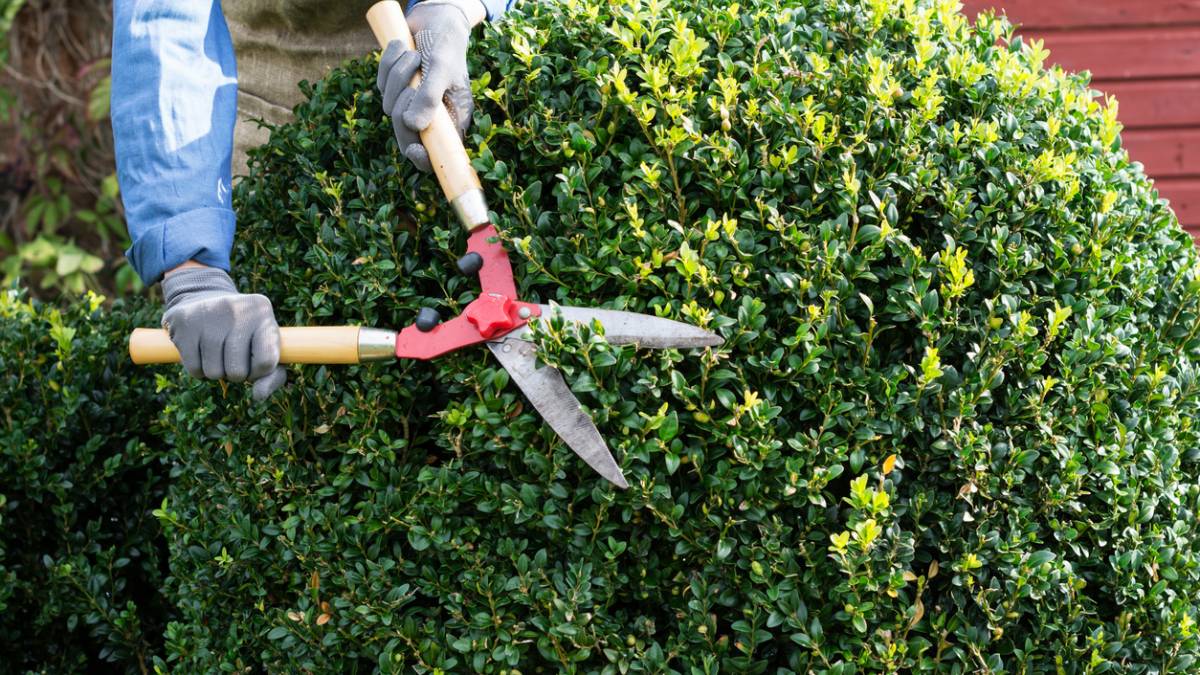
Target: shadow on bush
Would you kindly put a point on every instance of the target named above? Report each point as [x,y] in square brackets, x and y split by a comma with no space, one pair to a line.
[81,557]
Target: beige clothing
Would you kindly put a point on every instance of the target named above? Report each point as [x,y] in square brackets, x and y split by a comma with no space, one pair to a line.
[277,44]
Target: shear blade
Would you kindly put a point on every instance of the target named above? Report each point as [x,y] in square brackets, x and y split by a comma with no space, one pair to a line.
[553,399]
[644,330]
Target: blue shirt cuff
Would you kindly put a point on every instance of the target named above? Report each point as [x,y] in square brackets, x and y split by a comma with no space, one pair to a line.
[204,235]
[494,8]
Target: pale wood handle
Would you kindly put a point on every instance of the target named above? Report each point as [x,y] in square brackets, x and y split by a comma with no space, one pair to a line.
[445,148]
[313,344]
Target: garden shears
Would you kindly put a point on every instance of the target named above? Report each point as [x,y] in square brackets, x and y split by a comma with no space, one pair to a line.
[497,317]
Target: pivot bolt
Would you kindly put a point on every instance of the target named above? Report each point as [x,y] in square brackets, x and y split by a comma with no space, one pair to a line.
[470,263]
[524,312]
[428,319]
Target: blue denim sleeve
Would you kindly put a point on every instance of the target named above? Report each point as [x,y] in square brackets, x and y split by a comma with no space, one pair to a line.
[174,103]
[495,8]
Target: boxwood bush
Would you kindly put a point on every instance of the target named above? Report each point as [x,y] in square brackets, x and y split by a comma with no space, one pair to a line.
[950,428]
[82,559]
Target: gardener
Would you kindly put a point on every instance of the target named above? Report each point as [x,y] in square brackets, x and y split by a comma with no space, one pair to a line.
[177,110]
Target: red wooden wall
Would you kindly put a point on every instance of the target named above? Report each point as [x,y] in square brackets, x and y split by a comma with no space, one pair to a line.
[1147,54]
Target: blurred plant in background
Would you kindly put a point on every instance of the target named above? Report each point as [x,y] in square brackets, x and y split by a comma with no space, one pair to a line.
[61,222]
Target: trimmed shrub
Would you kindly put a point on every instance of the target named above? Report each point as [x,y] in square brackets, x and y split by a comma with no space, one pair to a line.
[950,428]
[81,557]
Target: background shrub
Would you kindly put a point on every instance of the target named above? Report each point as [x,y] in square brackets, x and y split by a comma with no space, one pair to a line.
[62,227]
[950,428]
[81,556]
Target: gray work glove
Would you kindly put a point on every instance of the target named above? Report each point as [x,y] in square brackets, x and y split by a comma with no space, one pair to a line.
[442,32]
[220,333]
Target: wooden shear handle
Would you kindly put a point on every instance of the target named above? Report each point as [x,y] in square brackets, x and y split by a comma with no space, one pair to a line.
[309,344]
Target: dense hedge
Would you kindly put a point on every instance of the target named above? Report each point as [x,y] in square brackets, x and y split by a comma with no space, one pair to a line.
[950,427]
[81,557]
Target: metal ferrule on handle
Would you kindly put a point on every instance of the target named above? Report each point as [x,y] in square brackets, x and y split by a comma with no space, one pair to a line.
[376,344]
[472,209]
[311,344]
[446,152]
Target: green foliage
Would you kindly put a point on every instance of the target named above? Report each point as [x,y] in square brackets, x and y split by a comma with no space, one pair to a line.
[81,560]
[61,224]
[950,428]
[55,261]
[8,10]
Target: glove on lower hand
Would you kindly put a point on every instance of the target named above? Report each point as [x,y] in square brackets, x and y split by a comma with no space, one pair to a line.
[220,333]
[442,32]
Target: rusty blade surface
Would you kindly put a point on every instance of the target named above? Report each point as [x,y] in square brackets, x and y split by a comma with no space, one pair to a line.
[644,330]
[550,395]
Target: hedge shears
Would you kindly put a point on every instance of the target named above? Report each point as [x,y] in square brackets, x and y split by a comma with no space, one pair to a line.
[496,318]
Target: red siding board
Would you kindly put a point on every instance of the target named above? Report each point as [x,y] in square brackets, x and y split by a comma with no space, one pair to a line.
[1184,195]
[1128,54]
[1165,152]
[1156,103]
[1042,14]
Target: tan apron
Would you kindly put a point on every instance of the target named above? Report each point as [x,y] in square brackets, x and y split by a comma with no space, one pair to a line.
[278,43]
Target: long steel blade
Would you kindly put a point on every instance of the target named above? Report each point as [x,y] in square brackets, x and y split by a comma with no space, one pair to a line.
[553,399]
[644,330]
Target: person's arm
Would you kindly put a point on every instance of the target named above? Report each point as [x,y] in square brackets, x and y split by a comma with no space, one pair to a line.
[174,102]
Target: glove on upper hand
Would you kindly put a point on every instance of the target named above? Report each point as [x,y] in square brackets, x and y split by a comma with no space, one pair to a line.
[220,333]
[442,33]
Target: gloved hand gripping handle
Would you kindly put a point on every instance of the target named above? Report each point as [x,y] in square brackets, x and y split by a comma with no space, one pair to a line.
[450,162]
